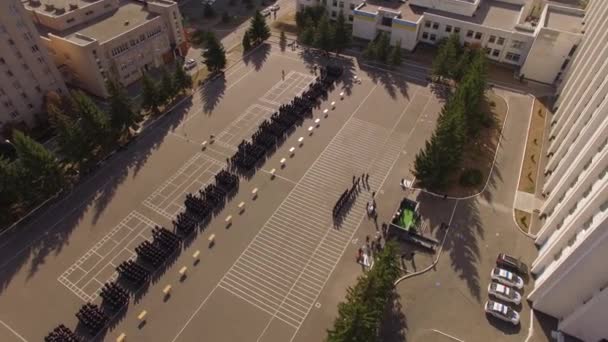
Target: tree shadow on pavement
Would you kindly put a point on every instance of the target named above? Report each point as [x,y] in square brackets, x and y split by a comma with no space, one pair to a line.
[462,244]
[211,92]
[393,83]
[257,56]
[32,243]
[393,327]
[495,179]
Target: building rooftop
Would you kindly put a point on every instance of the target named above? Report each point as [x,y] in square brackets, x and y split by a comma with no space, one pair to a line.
[57,7]
[408,12]
[128,16]
[562,20]
[490,13]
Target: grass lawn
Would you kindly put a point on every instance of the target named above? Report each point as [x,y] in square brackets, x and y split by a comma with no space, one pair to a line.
[532,156]
[479,153]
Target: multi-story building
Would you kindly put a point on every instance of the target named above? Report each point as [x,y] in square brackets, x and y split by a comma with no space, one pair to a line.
[27,72]
[91,40]
[571,274]
[538,39]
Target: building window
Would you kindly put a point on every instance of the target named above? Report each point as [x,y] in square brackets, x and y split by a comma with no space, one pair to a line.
[470,33]
[38,89]
[11,42]
[9,73]
[425,35]
[71,20]
[572,50]
[334,3]
[341,4]
[333,14]
[496,53]
[448,28]
[350,17]
[435,26]
[427,24]
[25,67]
[456,29]
[352,6]
[478,35]
[2,61]
[487,50]
[14,114]
[24,95]
[500,41]
[88,13]
[565,64]
[492,39]
[512,57]
[40,60]
[433,37]
[35,48]
[517,44]
[30,106]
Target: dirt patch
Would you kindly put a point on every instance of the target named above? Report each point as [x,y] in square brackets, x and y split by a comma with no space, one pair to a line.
[286,23]
[532,155]
[523,220]
[479,153]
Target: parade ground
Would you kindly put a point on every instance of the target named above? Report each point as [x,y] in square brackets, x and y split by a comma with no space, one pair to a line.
[278,266]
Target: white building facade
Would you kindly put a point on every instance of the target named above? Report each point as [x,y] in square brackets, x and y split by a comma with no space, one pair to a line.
[91,41]
[571,272]
[27,72]
[539,46]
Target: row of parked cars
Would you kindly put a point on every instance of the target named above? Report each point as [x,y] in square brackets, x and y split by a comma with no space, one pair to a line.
[506,283]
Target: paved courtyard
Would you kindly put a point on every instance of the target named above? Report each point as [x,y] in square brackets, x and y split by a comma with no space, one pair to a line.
[277,272]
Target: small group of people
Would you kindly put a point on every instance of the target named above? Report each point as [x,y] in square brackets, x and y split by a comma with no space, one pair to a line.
[369,249]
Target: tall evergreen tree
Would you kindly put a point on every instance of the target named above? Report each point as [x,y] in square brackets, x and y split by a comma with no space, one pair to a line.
[370,50]
[359,316]
[283,41]
[8,183]
[166,90]
[246,41]
[258,28]
[41,167]
[215,56]
[307,36]
[383,47]
[324,35]
[150,94]
[181,80]
[341,34]
[73,143]
[395,57]
[122,115]
[94,122]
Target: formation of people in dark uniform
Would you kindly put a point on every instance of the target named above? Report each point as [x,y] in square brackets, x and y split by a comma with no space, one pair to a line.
[273,131]
[151,255]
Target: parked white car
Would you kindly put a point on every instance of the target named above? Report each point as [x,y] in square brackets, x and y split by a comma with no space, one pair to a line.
[502,312]
[504,292]
[189,64]
[507,278]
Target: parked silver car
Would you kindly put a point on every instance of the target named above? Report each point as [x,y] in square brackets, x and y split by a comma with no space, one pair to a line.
[504,292]
[507,278]
[502,312]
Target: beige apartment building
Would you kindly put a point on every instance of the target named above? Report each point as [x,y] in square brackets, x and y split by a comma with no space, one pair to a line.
[27,72]
[93,40]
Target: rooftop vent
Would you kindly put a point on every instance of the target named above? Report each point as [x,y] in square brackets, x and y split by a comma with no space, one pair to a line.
[73,7]
[49,7]
[127,23]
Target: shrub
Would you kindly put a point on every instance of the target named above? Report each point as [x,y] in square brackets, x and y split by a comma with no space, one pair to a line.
[471,177]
